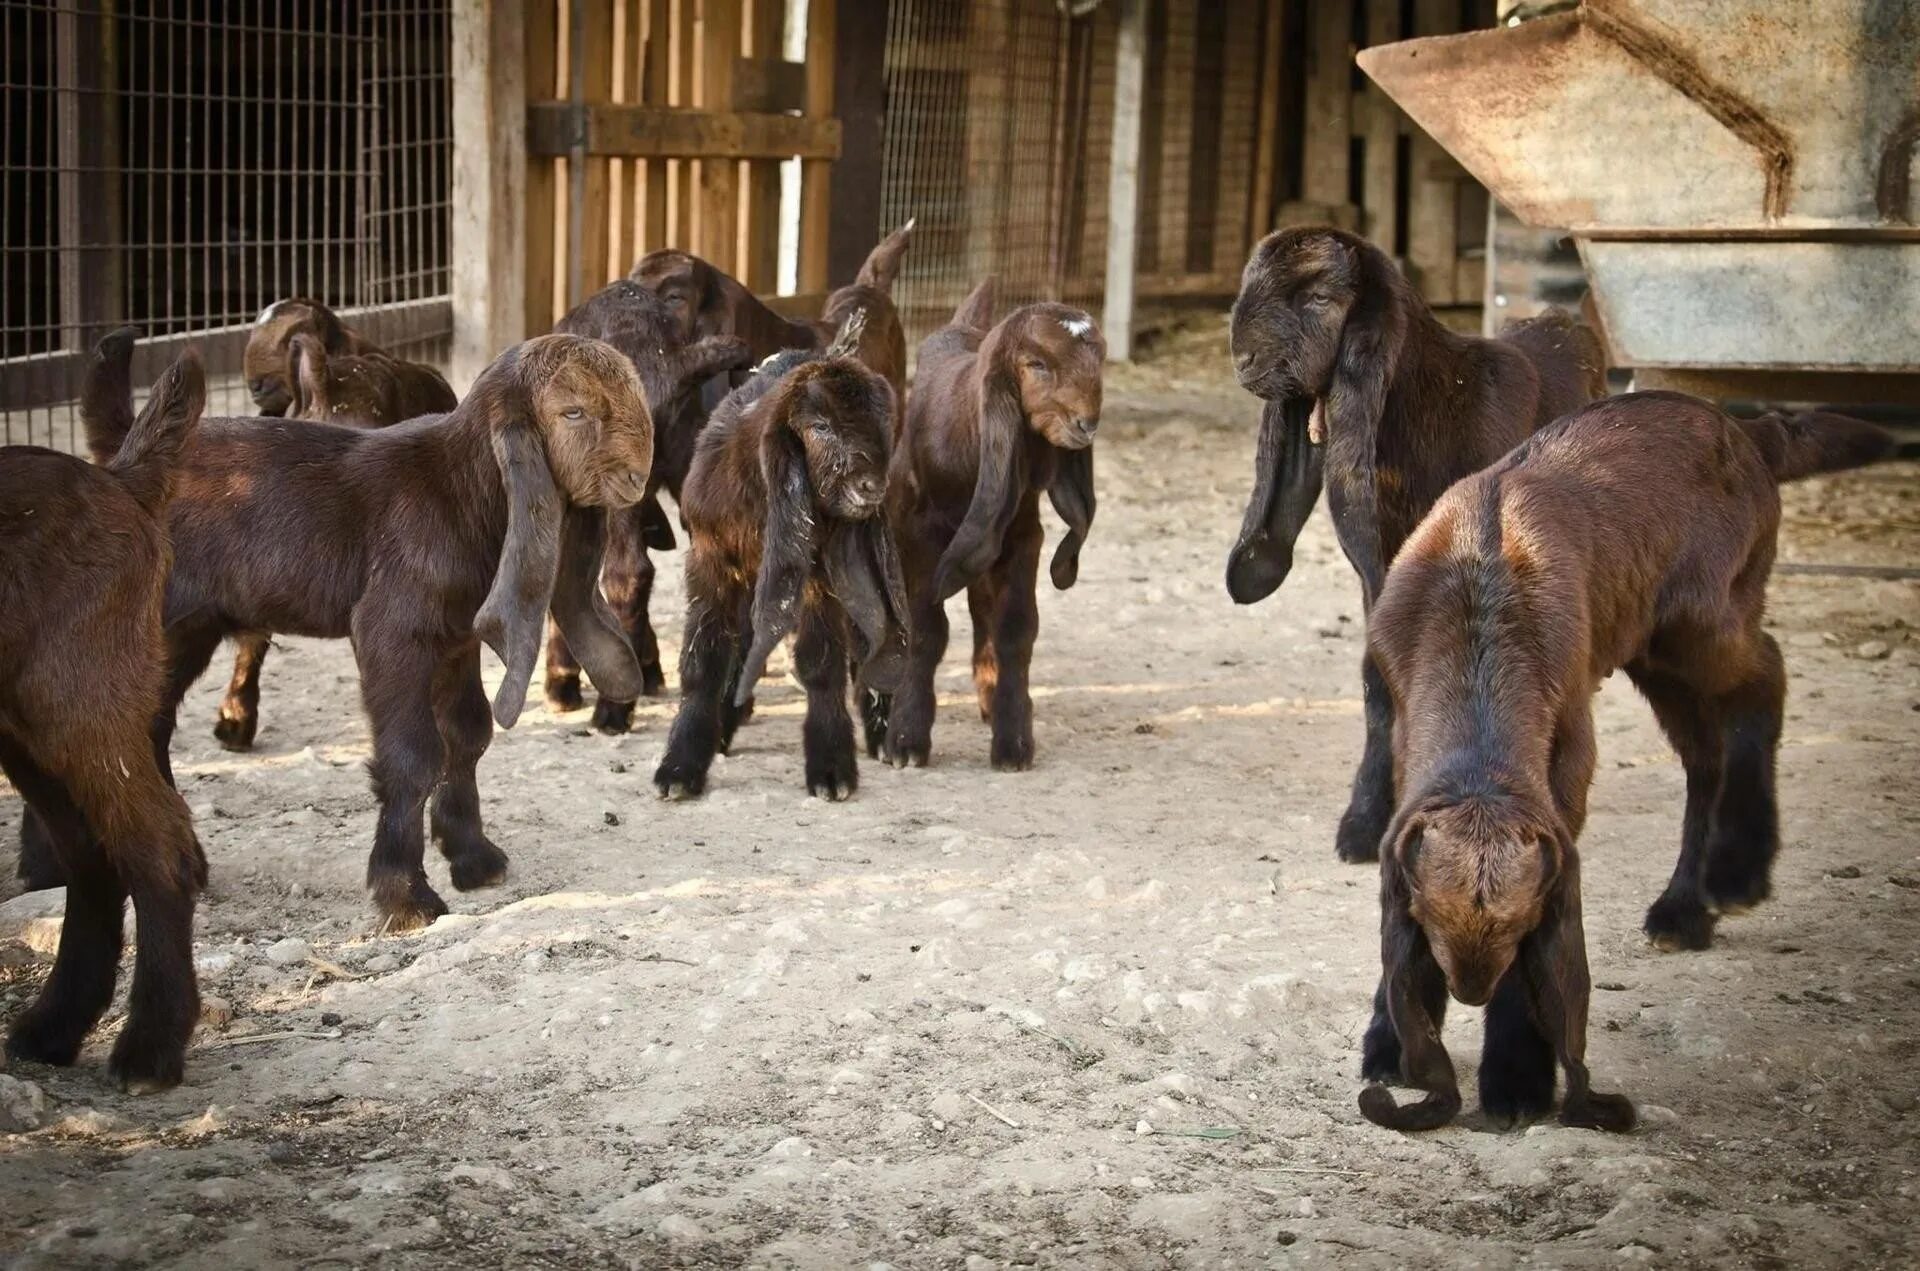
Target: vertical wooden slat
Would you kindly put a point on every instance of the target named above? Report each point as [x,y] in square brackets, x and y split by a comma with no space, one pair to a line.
[624,177]
[718,179]
[595,60]
[493,226]
[988,89]
[544,182]
[1380,177]
[89,123]
[1432,230]
[682,208]
[858,175]
[816,175]
[760,223]
[1329,124]
[1266,142]
[1242,79]
[1176,114]
[1123,191]
[653,90]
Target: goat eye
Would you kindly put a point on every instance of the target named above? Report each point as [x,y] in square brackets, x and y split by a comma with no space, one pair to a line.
[573,414]
[1319,300]
[1035,365]
[819,428]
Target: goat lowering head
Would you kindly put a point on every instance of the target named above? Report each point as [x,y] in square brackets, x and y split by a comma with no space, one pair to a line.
[267,362]
[641,323]
[694,291]
[371,389]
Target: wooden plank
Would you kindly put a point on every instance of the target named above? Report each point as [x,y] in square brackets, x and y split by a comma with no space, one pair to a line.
[624,175]
[667,132]
[816,175]
[985,48]
[1329,127]
[1266,142]
[1176,112]
[760,205]
[593,63]
[860,100]
[652,212]
[1432,230]
[770,84]
[682,209]
[1123,178]
[494,187]
[1379,176]
[1237,124]
[718,178]
[91,295]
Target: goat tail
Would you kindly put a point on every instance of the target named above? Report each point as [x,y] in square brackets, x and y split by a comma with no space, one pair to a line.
[106,395]
[1817,441]
[150,452]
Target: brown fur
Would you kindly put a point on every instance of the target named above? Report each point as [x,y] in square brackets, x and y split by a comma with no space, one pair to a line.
[81,669]
[267,363]
[1636,534]
[997,416]
[784,506]
[368,390]
[419,541]
[1329,334]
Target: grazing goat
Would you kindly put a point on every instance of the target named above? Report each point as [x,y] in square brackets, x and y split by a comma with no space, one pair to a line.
[997,415]
[672,371]
[418,541]
[1637,533]
[85,557]
[267,363]
[1364,387]
[784,506]
[369,390]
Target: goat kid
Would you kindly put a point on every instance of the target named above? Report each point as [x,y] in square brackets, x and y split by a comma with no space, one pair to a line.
[784,506]
[1636,534]
[267,363]
[1367,393]
[419,541]
[85,557]
[999,413]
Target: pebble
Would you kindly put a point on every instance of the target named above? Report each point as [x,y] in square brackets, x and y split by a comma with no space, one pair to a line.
[291,951]
[215,1012]
[1872,650]
[214,962]
[1304,1208]
[23,1105]
[681,1229]
[611,818]
[976,1262]
[381,963]
[1844,871]
[481,1176]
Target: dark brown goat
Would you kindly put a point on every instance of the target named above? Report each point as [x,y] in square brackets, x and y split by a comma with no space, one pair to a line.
[81,669]
[1636,534]
[361,390]
[997,415]
[784,505]
[672,371]
[1365,390]
[419,541]
[268,360]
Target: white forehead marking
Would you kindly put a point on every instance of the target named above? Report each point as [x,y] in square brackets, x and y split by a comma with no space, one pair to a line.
[266,314]
[1079,328]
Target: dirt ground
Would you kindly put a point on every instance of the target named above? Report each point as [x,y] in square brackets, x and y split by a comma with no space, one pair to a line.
[1105,1013]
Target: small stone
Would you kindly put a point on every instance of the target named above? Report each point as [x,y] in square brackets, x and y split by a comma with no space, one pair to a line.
[381,963]
[1178,1084]
[790,1147]
[1872,650]
[481,1176]
[1844,871]
[1654,1114]
[1143,1126]
[976,1262]
[215,962]
[330,1019]
[291,951]
[1303,1208]
[215,1012]
[23,1105]
[616,767]
[681,1229]
[611,818]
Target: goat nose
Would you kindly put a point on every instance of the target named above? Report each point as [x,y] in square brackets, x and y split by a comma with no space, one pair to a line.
[1243,362]
[871,488]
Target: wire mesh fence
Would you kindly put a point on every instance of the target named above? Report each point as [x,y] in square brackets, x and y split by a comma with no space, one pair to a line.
[178,165]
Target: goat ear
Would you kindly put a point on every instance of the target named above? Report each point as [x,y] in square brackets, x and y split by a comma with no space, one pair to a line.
[882,265]
[656,531]
[1370,347]
[106,394]
[1071,492]
[786,550]
[307,373]
[592,632]
[977,309]
[1288,470]
[513,618]
[710,356]
[863,569]
[996,489]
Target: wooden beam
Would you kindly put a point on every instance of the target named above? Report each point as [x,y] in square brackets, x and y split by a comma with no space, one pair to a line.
[1324,177]
[1175,103]
[494,187]
[760,202]
[652,213]
[592,64]
[816,175]
[655,132]
[1266,143]
[860,100]
[1380,174]
[719,176]
[683,209]
[91,295]
[769,83]
[1432,227]
[1123,178]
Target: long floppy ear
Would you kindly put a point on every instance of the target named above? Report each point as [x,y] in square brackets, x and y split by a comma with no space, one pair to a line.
[512,620]
[863,568]
[327,327]
[1287,475]
[997,487]
[882,265]
[592,632]
[977,309]
[307,374]
[786,551]
[1072,494]
[1370,347]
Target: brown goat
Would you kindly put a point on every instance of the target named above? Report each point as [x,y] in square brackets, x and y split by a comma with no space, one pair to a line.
[418,541]
[267,362]
[1364,389]
[1636,534]
[784,504]
[997,415]
[81,670]
[672,371]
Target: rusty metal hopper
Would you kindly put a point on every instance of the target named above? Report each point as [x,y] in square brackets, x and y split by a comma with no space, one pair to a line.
[1738,175]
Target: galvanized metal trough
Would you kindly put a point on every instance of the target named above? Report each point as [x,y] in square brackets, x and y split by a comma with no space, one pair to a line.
[1738,175]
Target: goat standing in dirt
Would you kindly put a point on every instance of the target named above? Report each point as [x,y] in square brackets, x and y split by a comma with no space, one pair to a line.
[1637,534]
[1365,390]
[83,560]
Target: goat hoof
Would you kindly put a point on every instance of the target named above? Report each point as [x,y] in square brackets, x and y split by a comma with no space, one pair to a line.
[1676,926]
[909,754]
[612,718]
[563,694]
[674,780]
[146,1065]
[1012,754]
[834,780]
[234,730]
[1514,1093]
[478,865]
[1380,1052]
[653,681]
[1358,839]
[44,1036]
[1734,887]
[407,904]
[1610,1112]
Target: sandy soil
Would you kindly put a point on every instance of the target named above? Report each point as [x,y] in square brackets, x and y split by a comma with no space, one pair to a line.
[1102,1014]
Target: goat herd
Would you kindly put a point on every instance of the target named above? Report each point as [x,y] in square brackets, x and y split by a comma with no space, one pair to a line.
[1540,536]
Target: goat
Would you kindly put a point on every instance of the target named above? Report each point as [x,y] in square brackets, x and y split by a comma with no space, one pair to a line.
[1366,391]
[784,508]
[672,370]
[81,669]
[420,541]
[267,363]
[369,389]
[997,415]
[1637,533]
